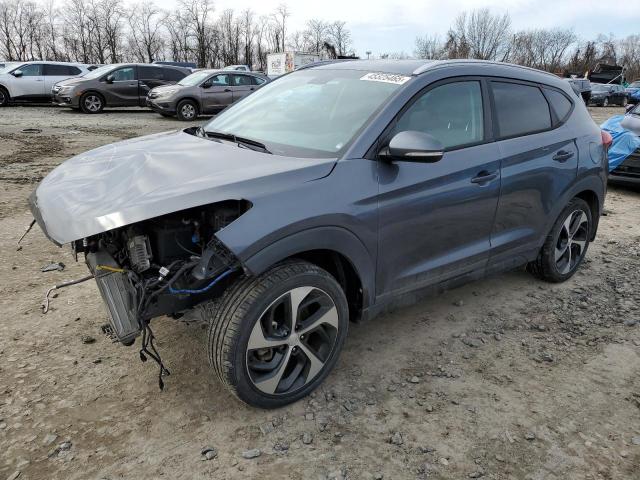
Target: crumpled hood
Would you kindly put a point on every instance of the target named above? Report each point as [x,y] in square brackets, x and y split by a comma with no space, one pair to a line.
[134,180]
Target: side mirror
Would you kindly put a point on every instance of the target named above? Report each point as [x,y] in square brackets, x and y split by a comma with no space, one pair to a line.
[629,107]
[207,84]
[413,146]
[110,79]
[17,73]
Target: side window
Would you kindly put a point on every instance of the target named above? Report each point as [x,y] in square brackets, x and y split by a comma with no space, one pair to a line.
[521,109]
[124,74]
[32,70]
[220,81]
[74,71]
[259,81]
[52,70]
[452,113]
[150,73]
[561,104]
[173,74]
[242,80]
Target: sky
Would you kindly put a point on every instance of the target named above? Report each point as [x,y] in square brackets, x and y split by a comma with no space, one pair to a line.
[392,26]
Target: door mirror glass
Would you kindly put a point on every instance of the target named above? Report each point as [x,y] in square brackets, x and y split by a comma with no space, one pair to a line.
[17,73]
[414,146]
[207,84]
[110,78]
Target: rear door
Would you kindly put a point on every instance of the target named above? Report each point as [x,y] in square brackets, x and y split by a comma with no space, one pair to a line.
[216,93]
[123,90]
[29,85]
[435,219]
[539,162]
[54,73]
[242,85]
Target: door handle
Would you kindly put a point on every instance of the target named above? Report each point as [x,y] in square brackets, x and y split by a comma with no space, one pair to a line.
[227,89]
[484,177]
[562,156]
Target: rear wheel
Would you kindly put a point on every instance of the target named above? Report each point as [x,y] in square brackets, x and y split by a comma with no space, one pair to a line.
[4,97]
[91,103]
[566,245]
[274,338]
[187,110]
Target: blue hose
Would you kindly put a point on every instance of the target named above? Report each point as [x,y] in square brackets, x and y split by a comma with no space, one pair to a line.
[204,289]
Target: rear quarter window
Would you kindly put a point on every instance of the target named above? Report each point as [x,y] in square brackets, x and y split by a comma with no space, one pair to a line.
[173,74]
[520,109]
[560,104]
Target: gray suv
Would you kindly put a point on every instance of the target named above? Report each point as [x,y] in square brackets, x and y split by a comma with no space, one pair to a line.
[204,92]
[118,85]
[325,197]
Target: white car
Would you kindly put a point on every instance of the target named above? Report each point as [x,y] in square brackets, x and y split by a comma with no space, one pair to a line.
[32,81]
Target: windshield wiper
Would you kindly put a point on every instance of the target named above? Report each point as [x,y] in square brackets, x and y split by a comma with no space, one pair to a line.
[240,141]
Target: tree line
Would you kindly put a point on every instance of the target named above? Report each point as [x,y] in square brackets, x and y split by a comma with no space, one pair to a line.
[482,35]
[108,31]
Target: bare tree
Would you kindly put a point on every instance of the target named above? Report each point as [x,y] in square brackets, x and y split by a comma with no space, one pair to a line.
[340,37]
[145,34]
[316,34]
[480,35]
[430,47]
[280,17]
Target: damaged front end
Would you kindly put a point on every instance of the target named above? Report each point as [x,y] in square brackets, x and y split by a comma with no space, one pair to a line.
[162,266]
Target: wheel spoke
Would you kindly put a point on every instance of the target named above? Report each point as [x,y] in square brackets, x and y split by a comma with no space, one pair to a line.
[580,243]
[578,221]
[259,340]
[561,251]
[315,363]
[323,316]
[270,384]
[296,296]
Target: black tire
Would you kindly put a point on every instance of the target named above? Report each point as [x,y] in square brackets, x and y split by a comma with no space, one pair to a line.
[4,97]
[233,318]
[91,103]
[187,110]
[546,267]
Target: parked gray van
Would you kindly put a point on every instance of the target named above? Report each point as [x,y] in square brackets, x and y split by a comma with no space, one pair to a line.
[118,85]
[206,92]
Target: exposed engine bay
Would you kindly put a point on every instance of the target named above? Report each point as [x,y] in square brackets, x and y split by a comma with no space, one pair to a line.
[162,266]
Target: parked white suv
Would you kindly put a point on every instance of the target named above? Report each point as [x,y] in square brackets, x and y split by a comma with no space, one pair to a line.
[32,81]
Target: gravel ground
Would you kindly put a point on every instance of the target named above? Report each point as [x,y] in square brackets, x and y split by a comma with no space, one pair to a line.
[506,378]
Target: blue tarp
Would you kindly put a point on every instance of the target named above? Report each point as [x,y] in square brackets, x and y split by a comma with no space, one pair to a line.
[624,142]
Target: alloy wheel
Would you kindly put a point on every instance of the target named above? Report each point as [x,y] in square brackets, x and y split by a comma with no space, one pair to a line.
[572,241]
[3,97]
[188,111]
[93,103]
[292,340]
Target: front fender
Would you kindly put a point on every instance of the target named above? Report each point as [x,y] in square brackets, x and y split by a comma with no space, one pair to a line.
[337,239]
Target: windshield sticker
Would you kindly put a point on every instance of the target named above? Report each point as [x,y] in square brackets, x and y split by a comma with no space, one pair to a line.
[386,78]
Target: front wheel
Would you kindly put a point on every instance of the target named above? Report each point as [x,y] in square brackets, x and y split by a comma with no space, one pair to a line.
[566,245]
[4,97]
[187,110]
[91,103]
[274,338]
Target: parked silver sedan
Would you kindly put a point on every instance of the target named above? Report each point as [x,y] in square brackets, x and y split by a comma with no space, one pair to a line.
[203,92]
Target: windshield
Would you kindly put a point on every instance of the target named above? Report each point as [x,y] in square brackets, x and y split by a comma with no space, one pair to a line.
[600,88]
[194,79]
[98,72]
[311,113]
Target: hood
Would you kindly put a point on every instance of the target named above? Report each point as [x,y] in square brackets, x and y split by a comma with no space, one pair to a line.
[70,82]
[134,180]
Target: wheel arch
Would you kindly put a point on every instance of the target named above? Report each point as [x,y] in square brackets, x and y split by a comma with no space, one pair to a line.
[95,92]
[334,249]
[193,99]
[593,201]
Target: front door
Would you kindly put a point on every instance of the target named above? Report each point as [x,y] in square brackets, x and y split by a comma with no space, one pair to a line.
[216,93]
[435,219]
[123,89]
[29,85]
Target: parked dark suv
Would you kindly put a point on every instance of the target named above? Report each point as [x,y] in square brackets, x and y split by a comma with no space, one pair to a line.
[326,196]
[119,85]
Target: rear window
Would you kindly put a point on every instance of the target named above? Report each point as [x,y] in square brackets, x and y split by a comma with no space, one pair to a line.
[521,109]
[173,74]
[559,102]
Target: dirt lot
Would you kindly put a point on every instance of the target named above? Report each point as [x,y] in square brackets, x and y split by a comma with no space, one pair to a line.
[506,378]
